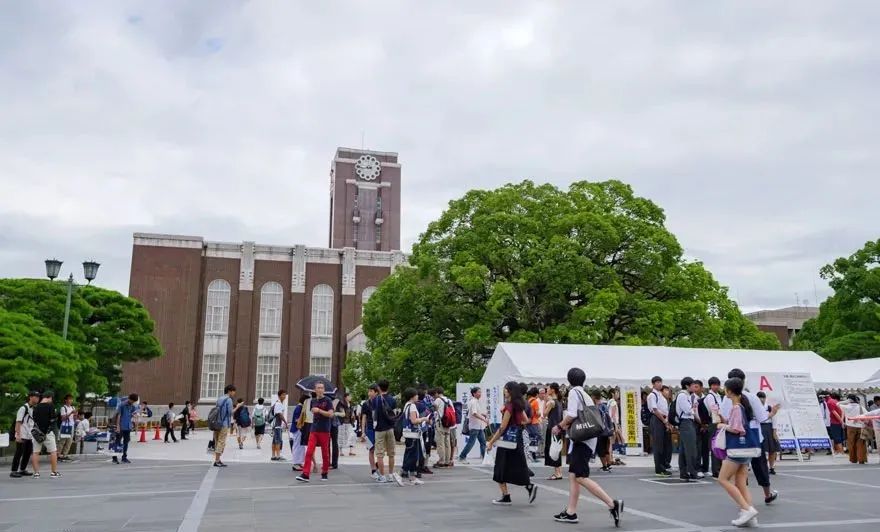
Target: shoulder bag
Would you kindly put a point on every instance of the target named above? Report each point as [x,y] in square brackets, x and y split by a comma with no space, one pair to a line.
[589,423]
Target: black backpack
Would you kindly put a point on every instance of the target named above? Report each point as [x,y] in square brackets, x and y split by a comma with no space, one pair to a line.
[672,418]
[646,414]
[703,411]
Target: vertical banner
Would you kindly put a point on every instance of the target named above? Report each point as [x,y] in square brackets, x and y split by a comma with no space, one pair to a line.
[630,423]
[799,422]
[494,401]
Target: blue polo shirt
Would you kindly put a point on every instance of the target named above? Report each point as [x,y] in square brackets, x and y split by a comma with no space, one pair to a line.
[224,406]
[125,411]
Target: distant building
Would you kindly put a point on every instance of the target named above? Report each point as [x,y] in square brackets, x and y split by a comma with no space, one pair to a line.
[785,323]
[262,317]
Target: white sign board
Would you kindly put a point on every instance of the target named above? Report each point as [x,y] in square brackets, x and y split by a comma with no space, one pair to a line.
[799,422]
[4,439]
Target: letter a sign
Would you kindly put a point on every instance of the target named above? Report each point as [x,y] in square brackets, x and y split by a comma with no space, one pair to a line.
[765,384]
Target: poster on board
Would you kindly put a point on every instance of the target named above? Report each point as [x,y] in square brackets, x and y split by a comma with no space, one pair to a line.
[799,422]
[630,424]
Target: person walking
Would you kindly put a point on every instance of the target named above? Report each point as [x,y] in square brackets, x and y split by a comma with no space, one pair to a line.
[168,422]
[712,402]
[856,447]
[24,444]
[322,408]
[261,414]
[242,416]
[124,420]
[297,450]
[345,414]
[687,429]
[477,422]
[442,432]
[553,415]
[412,436]
[384,420]
[184,420]
[768,432]
[579,455]
[603,443]
[224,419]
[510,458]
[661,430]
[279,423]
[759,463]
[44,416]
[533,428]
[368,434]
[836,423]
[67,428]
[737,417]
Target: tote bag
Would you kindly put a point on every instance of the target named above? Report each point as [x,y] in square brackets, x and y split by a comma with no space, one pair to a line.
[589,423]
[746,445]
[508,439]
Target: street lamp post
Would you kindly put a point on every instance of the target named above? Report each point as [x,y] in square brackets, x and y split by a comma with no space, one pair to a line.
[53,268]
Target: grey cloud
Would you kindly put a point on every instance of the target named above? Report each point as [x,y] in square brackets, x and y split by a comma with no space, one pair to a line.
[751,125]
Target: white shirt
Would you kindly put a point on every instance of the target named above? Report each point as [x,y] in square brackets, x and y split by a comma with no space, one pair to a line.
[541,403]
[614,412]
[277,409]
[474,407]
[578,399]
[713,403]
[82,428]
[758,410]
[657,401]
[23,416]
[684,405]
[439,407]
[876,410]
[852,410]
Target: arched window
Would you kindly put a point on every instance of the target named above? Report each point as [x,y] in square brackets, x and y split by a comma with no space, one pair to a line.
[365,296]
[321,351]
[215,341]
[269,342]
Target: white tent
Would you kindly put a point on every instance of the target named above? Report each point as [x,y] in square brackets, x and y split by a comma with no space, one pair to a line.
[608,365]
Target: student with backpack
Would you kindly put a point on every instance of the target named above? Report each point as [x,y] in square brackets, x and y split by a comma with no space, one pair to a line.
[580,451]
[261,413]
[683,415]
[445,421]
[712,403]
[242,417]
[220,420]
[278,414]
[168,423]
[704,437]
[24,445]
[384,420]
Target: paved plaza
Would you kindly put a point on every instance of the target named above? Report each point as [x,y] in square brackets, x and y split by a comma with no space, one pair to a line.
[156,493]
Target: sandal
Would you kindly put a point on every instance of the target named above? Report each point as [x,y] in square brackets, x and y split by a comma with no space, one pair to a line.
[554,477]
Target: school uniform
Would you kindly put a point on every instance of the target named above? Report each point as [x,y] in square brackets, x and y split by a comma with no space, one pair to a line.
[661,439]
[687,429]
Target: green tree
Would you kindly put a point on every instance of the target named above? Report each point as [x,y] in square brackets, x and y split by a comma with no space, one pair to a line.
[848,324]
[105,327]
[32,357]
[525,263]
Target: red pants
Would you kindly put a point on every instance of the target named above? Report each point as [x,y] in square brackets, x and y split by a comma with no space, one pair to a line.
[321,439]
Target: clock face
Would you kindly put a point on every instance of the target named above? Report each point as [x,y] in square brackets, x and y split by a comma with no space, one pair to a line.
[368,168]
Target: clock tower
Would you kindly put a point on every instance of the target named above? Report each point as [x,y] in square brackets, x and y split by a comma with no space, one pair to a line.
[365,200]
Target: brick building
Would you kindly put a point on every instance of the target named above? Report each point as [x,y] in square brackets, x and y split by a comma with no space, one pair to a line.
[260,316]
[785,323]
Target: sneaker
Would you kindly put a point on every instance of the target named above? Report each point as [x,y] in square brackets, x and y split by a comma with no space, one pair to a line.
[663,474]
[324,476]
[701,475]
[219,464]
[533,492]
[274,458]
[773,496]
[772,471]
[565,517]
[616,511]
[240,445]
[126,461]
[36,475]
[374,475]
[426,471]
[380,479]
[303,478]
[416,482]
[752,523]
[15,474]
[115,460]
[744,517]
[463,461]
[25,473]
[396,478]
[503,501]
[55,474]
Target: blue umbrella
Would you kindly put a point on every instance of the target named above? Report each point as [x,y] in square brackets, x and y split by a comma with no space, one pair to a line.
[307,384]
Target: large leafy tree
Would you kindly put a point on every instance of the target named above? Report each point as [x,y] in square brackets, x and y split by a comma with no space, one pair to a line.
[848,324]
[105,328]
[32,357]
[526,263]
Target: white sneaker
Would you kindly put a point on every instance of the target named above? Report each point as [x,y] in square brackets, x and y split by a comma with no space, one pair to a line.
[380,479]
[700,475]
[374,475]
[753,523]
[745,516]
[397,478]
[463,461]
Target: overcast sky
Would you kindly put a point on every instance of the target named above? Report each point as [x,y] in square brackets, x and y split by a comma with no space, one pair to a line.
[754,125]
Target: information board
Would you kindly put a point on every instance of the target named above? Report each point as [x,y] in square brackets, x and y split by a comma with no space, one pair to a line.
[799,422]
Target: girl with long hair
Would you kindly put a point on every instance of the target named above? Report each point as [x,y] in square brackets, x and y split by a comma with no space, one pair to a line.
[735,471]
[510,459]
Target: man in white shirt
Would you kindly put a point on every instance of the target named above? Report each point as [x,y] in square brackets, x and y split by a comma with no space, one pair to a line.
[24,445]
[579,454]
[713,404]
[687,429]
[661,430]
[279,423]
[759,464]
[477,420]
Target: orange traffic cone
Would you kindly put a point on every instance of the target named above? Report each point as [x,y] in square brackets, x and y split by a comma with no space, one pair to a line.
[143,438]
[156,435]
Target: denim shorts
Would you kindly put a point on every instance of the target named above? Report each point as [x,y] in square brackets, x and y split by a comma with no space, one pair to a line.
[276,436]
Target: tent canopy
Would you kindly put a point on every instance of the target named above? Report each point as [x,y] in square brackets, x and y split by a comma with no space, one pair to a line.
[609,365]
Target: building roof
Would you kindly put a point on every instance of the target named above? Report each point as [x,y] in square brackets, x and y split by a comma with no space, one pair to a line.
[791,317]
[635,365]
